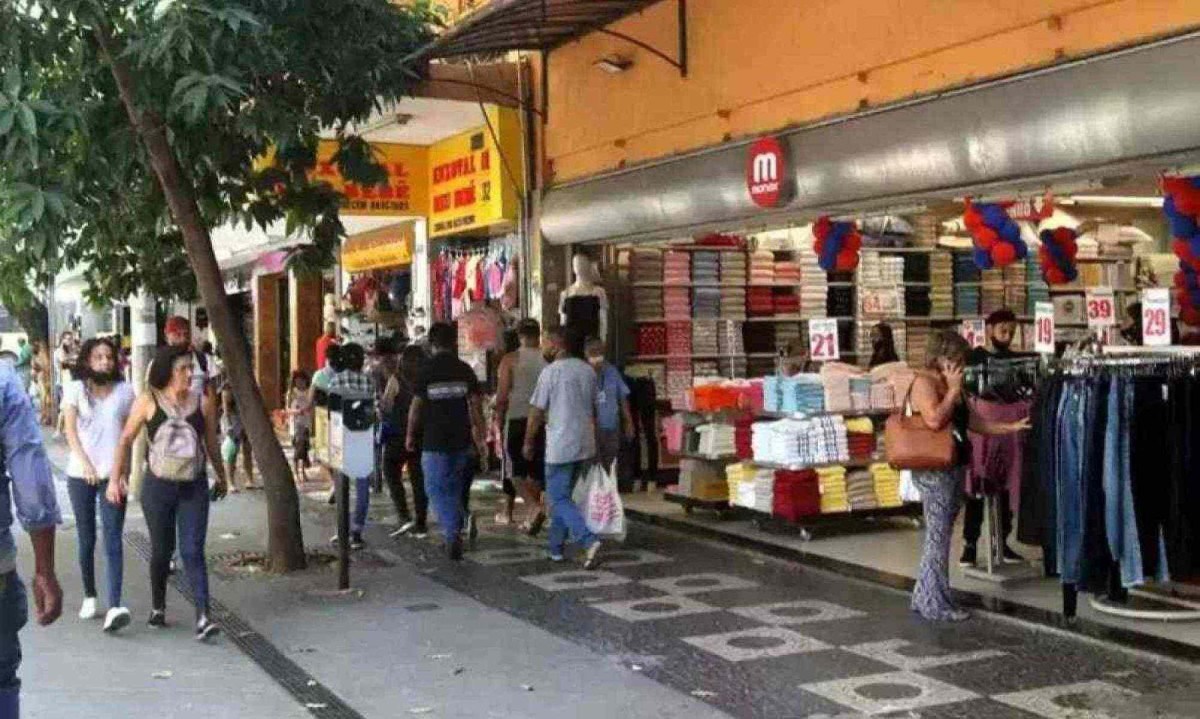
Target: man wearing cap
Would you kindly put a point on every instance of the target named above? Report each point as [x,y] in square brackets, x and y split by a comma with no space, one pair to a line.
[179,334]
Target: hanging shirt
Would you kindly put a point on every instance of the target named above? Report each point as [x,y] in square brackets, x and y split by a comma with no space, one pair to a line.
[510,291]
[495,278]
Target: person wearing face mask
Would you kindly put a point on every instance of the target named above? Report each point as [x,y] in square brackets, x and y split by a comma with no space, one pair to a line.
[96,404]
[614,420]
[883,345]
[1001,329]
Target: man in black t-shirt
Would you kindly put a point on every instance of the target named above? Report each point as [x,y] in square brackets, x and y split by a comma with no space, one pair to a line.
[447,414]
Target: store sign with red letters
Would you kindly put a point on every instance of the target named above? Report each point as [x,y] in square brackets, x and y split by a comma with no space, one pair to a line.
[767,173]
[1156,317]
[1101,308]
[823,345]
[1043,327]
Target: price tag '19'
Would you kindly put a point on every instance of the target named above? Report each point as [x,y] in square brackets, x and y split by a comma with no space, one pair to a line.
[823,345]
[1156,317]
[1101,308]
[974,332]
[1043,328]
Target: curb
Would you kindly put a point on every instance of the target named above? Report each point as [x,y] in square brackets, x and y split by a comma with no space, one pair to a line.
[1129,638]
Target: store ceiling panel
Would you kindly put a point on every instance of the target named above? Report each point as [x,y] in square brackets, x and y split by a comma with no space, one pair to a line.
[505,25]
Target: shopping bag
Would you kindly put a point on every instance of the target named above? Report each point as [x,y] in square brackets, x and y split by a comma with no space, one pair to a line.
[597,497]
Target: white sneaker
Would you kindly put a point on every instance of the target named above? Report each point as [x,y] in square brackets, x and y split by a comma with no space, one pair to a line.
[116,619]
[88,610]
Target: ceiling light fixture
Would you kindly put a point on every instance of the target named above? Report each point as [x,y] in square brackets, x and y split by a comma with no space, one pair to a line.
[1111,201]
[614,64]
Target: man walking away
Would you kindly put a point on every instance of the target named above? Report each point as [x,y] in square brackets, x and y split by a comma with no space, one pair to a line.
[614,420]
[518,375]
[447,415]
[26,482]
[353,383]
[564,401]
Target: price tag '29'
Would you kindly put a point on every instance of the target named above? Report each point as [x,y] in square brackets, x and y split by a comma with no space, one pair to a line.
[1156,317]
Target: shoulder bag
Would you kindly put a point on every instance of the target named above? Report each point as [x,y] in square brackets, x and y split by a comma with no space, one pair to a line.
[909,443]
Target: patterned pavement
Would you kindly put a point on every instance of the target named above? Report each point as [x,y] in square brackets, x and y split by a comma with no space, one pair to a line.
[761,638]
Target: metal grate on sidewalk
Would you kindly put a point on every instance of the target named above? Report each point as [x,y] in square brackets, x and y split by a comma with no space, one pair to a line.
[314,696]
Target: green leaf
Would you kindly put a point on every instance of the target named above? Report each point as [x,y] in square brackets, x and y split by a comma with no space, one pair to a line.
[12,80]
[28,120]
[37,206]
[6,121]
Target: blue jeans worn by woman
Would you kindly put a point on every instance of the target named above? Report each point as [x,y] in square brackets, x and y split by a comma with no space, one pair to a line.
[566,521]
[84,498]
[14,612]
[177,506]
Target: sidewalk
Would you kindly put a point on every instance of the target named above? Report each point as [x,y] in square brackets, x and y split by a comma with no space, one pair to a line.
[399,643]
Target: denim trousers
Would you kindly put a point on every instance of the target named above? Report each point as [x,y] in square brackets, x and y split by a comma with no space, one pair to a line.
[1072,425]
[447,476]
[1120,522]
[362,503]
[170,507]
[84,498]
[566,521]
[14,612]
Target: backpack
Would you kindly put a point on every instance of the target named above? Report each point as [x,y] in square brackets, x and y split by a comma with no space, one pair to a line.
[176,452]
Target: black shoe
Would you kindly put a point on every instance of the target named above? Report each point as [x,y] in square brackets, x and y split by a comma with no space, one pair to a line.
[206,629]
[968,556]
[1011,557]
[157,618]
[455,550]
[420,531]
[356,541]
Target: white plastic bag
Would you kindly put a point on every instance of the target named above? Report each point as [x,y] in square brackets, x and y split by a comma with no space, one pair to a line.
[909,492]
[597,497]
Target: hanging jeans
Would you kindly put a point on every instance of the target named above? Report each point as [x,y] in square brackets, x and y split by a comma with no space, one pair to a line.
[84,498]
[14,613]
[566,521]
[1119,519]
[941,496]
[177,507]
[1074,407]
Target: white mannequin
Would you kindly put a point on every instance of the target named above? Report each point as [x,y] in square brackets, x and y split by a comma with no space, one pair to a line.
[585,286]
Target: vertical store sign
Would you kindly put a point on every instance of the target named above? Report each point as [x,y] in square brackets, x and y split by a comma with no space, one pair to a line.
[974,332]
[470,185]
[823,344]
[768,176]
[1043,327]
[1156,317]
[1101,308]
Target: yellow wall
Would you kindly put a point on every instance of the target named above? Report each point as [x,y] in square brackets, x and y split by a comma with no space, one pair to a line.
[761,65]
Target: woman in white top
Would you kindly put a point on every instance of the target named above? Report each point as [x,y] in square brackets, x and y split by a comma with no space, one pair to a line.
[96,404]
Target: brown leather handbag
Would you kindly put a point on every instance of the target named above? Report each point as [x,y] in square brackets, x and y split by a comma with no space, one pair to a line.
[909,443]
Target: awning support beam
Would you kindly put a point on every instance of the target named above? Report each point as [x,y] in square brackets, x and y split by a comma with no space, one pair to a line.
[681,61]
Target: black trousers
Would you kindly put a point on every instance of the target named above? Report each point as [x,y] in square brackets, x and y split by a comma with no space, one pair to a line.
[395,459]
[973,518]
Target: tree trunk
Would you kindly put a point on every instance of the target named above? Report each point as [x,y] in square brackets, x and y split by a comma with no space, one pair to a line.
[34,318]
[285,543]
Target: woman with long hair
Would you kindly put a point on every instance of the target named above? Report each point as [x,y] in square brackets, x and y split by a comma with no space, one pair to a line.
[181,426]
[883,345]
[96,404]
[937,396]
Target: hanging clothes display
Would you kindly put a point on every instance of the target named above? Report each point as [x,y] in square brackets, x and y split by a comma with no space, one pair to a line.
[462,279]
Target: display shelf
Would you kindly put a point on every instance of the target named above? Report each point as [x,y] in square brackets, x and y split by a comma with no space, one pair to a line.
[1083,290]
[805,526]
[706,458]
[703,248]
[721,506]
[892,285]
[1099,260]
[852,463]
[827,413]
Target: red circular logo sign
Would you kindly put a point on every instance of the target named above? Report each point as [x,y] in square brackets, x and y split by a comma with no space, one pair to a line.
[766,172]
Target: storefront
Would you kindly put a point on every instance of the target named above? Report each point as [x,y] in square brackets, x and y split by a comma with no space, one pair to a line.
[714,272]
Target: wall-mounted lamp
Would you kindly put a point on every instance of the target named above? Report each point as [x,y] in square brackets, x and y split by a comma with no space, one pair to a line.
[614,64]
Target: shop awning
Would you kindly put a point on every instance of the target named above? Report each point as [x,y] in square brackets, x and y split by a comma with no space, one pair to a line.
[504,25]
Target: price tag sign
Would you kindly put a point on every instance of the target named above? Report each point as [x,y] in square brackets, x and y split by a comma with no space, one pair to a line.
[823,345]
[1101,308]
[1156,317]
[1043,328]
[974,332]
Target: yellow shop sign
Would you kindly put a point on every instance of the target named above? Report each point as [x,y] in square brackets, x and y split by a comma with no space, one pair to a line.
[469,186]
[406,192]
[386,247]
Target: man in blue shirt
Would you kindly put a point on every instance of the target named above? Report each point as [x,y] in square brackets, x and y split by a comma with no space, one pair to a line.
[614,420]
[26,483]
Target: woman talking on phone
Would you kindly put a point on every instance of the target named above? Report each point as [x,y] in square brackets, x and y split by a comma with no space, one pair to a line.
[181,426]
[937,396]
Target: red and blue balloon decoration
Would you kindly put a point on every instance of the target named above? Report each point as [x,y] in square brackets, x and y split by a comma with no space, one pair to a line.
[996,236]
[1181,204]
[837,245]
[1057,255]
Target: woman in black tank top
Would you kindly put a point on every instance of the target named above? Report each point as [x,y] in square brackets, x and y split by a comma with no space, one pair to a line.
[174,505]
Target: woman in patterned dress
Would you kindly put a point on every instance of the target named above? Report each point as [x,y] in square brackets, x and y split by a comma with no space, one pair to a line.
[937,396]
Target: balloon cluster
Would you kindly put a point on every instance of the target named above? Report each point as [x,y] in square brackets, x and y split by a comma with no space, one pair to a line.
[1181,205]
[1057,255]
[997,236]
[837,245]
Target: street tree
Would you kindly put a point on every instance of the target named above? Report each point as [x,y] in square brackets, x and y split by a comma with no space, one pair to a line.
[128,130]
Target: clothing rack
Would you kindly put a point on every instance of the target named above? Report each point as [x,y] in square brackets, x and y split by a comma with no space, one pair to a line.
[1171,362]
